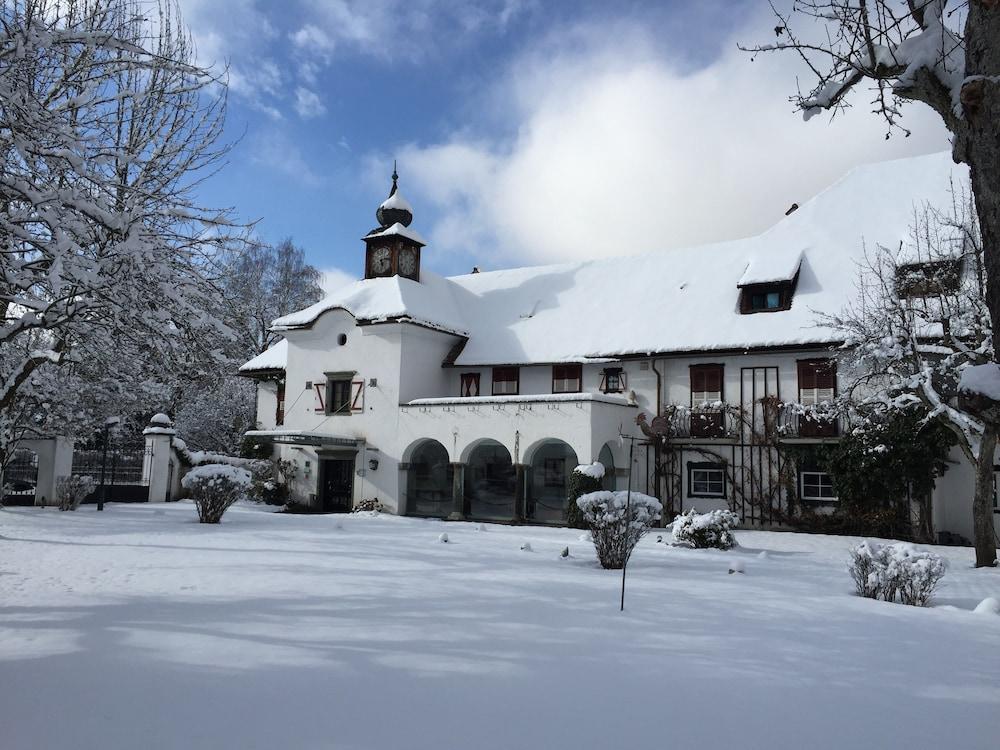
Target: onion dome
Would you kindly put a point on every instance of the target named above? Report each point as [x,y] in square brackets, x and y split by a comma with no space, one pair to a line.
[395,209]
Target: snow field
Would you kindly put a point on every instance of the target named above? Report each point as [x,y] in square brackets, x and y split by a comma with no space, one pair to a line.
[139,627]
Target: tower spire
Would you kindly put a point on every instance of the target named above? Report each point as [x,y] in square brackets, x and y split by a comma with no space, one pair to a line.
[395,209]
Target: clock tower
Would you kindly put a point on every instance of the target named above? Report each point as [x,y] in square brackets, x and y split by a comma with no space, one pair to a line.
[393,249]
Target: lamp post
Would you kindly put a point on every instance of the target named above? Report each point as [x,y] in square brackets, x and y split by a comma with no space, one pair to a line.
[108,424]
[628,507]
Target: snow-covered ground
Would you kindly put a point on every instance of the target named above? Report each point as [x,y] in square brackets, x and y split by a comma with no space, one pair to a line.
[139,628]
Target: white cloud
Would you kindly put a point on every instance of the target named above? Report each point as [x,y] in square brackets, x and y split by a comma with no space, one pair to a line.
[335,278]
[308,103]
[614,151]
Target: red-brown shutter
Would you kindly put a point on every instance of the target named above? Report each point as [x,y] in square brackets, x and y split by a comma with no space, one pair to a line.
[358,397]
[707,379]
[817,373]
[279,409]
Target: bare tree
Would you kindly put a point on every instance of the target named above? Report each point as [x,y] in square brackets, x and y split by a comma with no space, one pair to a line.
[106,129]
[263,282]
[944,54]
[919,321]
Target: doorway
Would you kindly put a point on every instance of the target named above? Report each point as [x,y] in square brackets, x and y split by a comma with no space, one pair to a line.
[336,484]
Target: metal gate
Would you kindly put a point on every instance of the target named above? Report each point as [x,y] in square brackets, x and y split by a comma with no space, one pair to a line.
[20,477]
[120,472]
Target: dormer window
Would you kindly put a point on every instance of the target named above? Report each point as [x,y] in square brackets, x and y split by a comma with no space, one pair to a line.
[757,298]
[769,280]
[765,301]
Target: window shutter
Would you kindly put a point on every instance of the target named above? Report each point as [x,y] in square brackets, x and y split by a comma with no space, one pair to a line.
[358,397]
[319,395]
[603,386]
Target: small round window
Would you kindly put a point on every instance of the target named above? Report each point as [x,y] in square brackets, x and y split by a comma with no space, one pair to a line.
[342,339]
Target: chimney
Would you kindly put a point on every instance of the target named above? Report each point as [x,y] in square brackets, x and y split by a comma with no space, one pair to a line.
[475,269]
[792,210]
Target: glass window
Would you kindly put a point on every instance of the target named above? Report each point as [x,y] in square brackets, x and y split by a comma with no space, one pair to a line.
[816,485]
[817,381]
[707,481]
[566,378]
[612,381]
[339,397]
[706,384]
[505,381]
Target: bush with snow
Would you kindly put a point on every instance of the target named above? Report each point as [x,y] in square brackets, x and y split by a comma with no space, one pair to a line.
[706,530]
[214,487]
[71,490]
[617,521]
[885,571]
[585,478]
[368,505]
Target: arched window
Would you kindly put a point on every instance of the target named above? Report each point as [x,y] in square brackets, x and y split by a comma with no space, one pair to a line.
[429,480]
[551,465]
[490,482]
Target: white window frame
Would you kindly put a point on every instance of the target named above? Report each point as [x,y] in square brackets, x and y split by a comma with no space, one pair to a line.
[701,399]
[816,396]
[693,492]
[818,483]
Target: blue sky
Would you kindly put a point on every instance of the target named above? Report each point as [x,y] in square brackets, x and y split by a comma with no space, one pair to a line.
[526,132]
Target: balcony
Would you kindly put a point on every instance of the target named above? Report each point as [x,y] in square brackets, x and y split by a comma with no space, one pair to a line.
[701,423]
[769,421]
[797,422]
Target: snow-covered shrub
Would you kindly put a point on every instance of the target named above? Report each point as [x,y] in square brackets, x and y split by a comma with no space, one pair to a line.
[71,490]
[214,487]
[617,522]
[899,569]
[368,505]
[915,572]
[706,530]
[865,570]
[585,478]
[270,481]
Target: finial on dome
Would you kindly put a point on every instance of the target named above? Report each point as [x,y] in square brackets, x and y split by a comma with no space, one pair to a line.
[395,209]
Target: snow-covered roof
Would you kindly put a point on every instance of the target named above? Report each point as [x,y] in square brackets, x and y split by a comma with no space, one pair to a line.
[273,358]
[398,202]
[669,301]
[688,299]
[398,230]
[774,264]
[428,302]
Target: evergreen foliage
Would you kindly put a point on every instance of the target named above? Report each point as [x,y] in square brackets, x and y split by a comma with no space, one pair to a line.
[579,484]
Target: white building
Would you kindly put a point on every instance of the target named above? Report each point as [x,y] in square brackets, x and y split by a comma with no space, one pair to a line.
[474,396]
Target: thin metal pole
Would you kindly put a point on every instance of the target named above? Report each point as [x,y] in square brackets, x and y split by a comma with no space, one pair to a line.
[628,515]
[104,461]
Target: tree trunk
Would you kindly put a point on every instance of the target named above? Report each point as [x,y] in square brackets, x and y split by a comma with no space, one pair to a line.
[978,143]
[984,536]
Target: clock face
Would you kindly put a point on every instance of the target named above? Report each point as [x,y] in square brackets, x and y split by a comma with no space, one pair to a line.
[381,260]
[407,261]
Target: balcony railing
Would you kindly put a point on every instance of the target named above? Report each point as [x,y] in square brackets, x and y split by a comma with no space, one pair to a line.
[796,421]
[771,420]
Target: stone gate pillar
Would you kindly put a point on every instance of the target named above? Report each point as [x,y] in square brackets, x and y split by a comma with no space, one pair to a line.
[159,436]
[55,459]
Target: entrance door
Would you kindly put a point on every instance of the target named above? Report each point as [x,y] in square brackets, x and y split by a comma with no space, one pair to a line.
[336,484]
